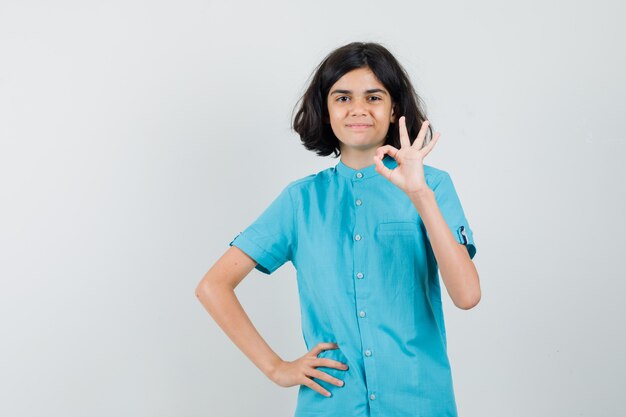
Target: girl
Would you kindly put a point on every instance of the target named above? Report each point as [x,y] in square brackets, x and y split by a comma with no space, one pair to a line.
[367,238]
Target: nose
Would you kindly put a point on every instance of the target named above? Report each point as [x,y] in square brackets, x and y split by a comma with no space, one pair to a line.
[359,108]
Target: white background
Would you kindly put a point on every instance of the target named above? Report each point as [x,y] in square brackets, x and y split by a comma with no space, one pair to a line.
[137,138]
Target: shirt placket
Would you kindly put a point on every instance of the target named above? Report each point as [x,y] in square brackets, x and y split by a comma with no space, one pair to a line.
[362,290]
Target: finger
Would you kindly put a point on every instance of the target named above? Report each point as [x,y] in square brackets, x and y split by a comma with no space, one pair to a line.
[387,149]
[378,159]
[325,377]
[417,143]
[404,135]
[426,149]
[330,363]
[381,168]
[323,346]
[315,387]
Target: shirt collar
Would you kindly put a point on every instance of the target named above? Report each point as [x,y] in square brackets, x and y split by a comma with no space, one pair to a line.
[366,172]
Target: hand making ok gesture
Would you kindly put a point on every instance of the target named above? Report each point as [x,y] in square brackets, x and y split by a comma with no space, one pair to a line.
[409,174]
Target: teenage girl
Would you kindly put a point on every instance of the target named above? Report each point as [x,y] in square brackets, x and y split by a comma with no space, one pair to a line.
[368,238]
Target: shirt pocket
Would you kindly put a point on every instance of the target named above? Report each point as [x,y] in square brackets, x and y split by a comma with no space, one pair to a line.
[400,248]
[398,228]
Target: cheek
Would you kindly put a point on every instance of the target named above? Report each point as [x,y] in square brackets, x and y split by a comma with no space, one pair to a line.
[383,116]
[386,116]
[334,116]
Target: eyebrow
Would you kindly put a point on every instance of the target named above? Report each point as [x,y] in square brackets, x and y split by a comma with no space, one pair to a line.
[370,91]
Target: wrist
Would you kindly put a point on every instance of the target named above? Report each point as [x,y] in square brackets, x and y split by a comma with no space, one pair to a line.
[270,371]
[422,199]
[421,194]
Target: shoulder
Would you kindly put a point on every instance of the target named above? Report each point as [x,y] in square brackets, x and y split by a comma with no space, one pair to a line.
[311,186]
[434,176]
[301,185]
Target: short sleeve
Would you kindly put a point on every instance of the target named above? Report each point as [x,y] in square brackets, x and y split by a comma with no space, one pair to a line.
[452,211]
[269,240]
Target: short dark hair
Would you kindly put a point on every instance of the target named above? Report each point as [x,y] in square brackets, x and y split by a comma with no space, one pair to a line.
[311,121]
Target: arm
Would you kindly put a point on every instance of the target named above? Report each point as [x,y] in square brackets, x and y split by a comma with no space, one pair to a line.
[216,293]
[457,269]
[458,272]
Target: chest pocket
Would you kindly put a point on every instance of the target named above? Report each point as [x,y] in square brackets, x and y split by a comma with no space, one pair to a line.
[399,245]
[398,228]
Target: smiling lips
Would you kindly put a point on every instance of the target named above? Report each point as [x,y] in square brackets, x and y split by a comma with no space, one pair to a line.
[359,125]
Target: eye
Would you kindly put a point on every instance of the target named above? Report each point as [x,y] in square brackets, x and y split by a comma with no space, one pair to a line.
[340,99]
[375,98]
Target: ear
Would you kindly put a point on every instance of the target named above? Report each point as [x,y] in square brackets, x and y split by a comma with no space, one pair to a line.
[393,114]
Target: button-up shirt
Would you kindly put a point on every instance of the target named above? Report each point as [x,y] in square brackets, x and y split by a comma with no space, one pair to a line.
[368,281]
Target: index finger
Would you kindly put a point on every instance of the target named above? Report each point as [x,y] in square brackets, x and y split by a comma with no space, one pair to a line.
[317,349]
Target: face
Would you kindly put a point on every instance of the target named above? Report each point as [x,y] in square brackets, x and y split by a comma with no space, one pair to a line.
[360,110]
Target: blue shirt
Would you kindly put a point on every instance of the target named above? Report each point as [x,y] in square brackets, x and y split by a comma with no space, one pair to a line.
[368,281]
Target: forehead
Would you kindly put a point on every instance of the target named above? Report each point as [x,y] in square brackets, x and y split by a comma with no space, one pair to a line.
[357,79]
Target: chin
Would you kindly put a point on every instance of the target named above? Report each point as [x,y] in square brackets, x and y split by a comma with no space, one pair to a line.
[369,142]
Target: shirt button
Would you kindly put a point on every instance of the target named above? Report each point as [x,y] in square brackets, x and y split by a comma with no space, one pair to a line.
[357,237]
[372,397]
[361,313]
[358,202]
[359,275]
[359,175]
[368,353]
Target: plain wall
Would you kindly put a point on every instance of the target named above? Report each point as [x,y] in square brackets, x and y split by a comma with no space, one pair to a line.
[138,138]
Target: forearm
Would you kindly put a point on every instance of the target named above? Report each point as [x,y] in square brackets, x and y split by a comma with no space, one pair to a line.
[225,308]
[457,269]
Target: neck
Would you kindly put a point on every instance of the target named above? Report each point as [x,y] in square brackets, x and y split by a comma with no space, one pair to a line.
[358,159]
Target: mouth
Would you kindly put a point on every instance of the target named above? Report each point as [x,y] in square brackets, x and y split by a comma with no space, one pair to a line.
[359,125]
